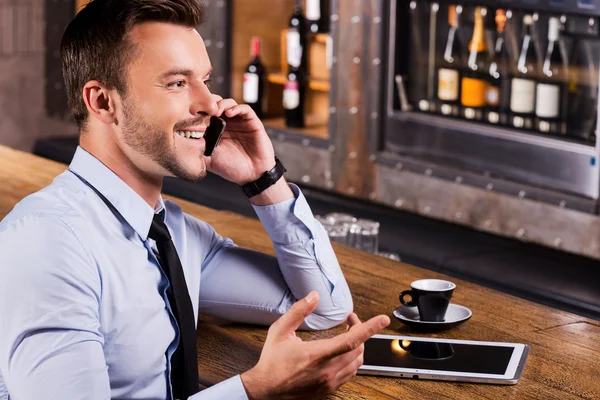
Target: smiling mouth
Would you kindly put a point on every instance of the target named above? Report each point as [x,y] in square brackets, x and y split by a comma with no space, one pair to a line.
[190,134]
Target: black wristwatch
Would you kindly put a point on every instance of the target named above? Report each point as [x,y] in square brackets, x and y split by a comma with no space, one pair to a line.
[267,180]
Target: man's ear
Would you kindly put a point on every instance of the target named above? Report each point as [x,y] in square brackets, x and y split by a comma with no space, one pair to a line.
[100,102]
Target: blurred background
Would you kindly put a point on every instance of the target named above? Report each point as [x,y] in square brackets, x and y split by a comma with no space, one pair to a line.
[459,136]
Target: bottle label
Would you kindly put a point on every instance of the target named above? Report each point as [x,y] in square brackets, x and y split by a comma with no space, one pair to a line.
[473,92]
[250,87]
[523,96]
[448,84]
[294,49]
[492,96]
[313,10]
[548,101]
[291,95]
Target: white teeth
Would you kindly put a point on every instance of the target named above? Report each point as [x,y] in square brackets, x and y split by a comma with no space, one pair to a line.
[188,134]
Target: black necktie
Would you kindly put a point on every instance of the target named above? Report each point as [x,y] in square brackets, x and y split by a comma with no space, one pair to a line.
[184,362]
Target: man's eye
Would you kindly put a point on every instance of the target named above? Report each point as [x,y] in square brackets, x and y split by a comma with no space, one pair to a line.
[207,82]
[176,84]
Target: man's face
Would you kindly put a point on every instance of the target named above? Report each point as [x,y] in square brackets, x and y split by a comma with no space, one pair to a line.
[167,94]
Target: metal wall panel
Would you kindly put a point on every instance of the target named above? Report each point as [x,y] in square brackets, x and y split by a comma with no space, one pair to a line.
[216,32]
[522,219]
[58,15]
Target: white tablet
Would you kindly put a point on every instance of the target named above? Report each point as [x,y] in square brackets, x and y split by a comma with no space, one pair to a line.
[444,359]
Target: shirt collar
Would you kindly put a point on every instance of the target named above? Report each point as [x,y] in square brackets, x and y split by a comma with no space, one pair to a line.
[132,207]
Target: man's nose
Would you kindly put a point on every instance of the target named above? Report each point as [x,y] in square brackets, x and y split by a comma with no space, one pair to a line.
[203,102]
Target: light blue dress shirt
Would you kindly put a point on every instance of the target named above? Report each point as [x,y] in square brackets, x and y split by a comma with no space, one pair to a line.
[83,309]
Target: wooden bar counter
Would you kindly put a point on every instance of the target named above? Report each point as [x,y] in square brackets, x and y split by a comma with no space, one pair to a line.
[564,362]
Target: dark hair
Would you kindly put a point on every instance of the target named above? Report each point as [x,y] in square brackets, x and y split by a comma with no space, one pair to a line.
[95,45]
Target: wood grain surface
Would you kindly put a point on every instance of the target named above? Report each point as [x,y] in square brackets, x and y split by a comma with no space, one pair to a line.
[565,348]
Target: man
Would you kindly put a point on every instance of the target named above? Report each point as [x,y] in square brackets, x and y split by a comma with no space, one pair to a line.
[102,282]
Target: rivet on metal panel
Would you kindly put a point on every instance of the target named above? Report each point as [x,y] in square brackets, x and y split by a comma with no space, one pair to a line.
[399,203]
[355,19]
[352,155]
[220,44]
[427,210]
[374,115]
[334,17]
[207,42]
[458,215]
[331,148]
[522,194]
[521,233]
[351,190]
[220,3]
[373,196]
[281,137]
[557,242]
[332,110]
[327,175]
[376,20]
[305,142]
[220,79]
[373,157]
[413,5]
[428,172]
[330,184]
[356,60]
[353,110]
[489,186]
[305,178]
[376,61]
[435,7]
[563,204]
[399,165]
[459,179]
[488,223]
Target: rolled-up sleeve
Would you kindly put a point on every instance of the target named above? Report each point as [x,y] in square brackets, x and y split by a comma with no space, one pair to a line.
[230,389]
[306,258]
[265,287]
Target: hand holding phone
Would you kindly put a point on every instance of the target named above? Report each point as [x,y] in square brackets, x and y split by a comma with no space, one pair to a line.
[213,134]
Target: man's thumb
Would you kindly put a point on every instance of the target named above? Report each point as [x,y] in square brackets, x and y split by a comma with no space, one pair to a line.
[293,318]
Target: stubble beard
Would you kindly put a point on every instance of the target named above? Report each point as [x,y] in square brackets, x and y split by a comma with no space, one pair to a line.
[153,143]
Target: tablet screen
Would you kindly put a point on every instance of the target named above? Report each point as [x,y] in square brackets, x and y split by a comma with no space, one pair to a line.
[441,356]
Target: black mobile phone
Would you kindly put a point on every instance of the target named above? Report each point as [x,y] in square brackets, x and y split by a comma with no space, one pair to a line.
[213,135]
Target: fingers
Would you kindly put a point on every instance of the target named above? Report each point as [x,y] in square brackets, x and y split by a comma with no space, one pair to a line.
[230,108]
[350,369]
[352,339]
[225,104]
[352,320]
[291,320]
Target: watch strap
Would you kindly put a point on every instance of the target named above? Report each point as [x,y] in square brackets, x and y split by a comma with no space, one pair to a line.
[266,180]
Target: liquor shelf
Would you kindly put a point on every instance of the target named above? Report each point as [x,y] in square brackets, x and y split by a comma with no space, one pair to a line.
[280,78]
[315,127]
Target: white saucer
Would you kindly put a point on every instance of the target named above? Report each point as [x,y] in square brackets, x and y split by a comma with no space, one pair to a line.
[455,316]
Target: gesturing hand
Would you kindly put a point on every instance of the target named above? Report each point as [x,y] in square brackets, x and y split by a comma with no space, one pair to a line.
[293,369]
